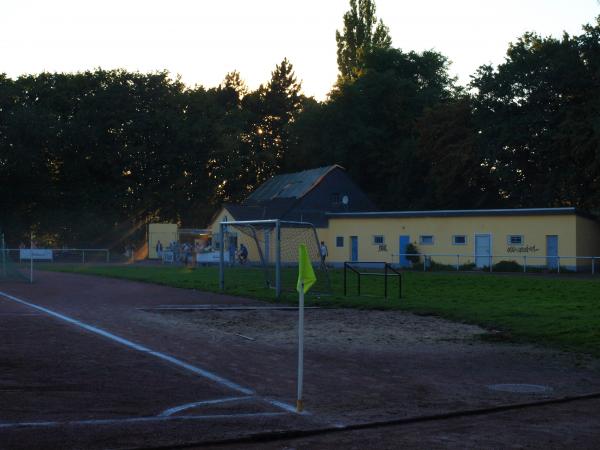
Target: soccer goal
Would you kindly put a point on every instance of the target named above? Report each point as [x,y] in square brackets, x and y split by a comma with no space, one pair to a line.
[268,250]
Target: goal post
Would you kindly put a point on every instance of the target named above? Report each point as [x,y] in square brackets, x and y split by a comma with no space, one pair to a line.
[270,247]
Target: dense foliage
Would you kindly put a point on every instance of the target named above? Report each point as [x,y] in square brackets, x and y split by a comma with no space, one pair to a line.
[90,158]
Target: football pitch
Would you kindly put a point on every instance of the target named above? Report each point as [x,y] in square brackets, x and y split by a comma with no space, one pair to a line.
[563,312]
[131,360]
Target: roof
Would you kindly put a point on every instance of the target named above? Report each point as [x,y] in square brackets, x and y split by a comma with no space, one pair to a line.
[292,185]
[274,209]
[461,213]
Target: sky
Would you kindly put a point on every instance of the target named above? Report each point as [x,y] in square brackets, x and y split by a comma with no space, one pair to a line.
[202,40]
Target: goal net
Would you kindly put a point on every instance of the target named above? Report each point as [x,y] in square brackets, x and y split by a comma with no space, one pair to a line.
[265,252]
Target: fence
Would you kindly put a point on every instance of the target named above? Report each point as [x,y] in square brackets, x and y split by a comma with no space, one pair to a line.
[499,263]
[60,255]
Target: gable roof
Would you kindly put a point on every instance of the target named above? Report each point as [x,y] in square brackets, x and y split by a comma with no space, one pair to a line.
[292,185]
[274,209]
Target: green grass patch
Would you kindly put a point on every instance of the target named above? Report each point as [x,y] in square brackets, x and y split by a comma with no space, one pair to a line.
[558,312]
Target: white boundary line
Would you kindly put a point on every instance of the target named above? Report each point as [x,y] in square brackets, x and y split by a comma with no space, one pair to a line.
[176,409]
[137,419]
[194,369]
[140,348]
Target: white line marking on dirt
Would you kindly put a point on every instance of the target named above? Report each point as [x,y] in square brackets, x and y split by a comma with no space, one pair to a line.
[176,409]
[137,419]
[284,406]
[197,370]
[177,362]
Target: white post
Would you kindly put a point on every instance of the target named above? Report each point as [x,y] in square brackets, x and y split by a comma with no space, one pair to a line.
[299,401]
[221,257]
[31,258]
[278,259]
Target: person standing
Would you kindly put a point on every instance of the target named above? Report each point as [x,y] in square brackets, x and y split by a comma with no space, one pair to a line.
[159,249]
[324,252]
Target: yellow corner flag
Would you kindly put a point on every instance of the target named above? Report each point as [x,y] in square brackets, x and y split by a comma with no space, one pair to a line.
[306,274]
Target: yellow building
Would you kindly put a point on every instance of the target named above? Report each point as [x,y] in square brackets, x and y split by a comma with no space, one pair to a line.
[542,237]
[163,232]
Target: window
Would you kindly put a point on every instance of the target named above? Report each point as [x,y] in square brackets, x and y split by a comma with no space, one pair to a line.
[514,239]
[426,239]
[378,240]
[459,239]
[335,198]
[339,241]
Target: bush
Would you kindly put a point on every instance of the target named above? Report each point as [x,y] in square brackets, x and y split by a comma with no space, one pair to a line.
[414,258]
[507,266]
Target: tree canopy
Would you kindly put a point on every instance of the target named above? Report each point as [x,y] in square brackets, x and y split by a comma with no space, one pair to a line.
[89,158]
[362,34]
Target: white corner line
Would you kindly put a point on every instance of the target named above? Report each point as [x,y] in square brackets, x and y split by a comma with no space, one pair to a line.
[176,409]
[285,406]
[49,424]
[177,362]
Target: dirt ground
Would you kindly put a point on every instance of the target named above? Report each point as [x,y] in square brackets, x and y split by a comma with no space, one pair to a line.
[78,388]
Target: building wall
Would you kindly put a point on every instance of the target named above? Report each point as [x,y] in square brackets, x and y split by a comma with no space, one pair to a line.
[533,229]
[163,232]
[588,237]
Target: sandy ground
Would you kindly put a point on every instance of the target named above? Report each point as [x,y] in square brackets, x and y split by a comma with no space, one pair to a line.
[377,331]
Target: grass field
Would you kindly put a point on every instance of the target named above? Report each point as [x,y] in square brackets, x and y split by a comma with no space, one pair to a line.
[559,312]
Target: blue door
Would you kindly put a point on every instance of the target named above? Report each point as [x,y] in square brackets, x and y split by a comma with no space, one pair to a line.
[404,241]
[483,250]
[353,248]
[552,252]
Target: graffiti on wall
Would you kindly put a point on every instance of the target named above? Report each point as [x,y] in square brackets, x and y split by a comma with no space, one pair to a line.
[522,249]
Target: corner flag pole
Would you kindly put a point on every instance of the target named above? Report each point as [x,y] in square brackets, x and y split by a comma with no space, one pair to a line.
[306,278]
[299,400]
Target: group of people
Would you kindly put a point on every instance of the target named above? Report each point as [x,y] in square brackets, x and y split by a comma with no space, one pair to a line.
[184,253]
[238,255]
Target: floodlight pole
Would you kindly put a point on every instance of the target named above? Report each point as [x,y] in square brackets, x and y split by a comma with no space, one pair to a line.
[222,257]
[277,258]
[299,400]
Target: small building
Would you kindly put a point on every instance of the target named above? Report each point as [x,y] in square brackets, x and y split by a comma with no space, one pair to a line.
[306,196]
[165,233]
[534,237]
[354,230]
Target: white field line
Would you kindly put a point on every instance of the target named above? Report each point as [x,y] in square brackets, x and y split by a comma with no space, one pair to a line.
[126,420]
[176,409]
[127,343]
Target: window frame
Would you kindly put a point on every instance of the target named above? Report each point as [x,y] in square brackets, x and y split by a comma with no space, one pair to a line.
[454,236]
[336,199]
[374,240]
[510,236]
[421,236]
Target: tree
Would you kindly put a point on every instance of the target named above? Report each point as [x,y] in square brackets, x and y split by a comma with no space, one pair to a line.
[361,35]
[456,176]
[272,108]
[535,117]
[369,126]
